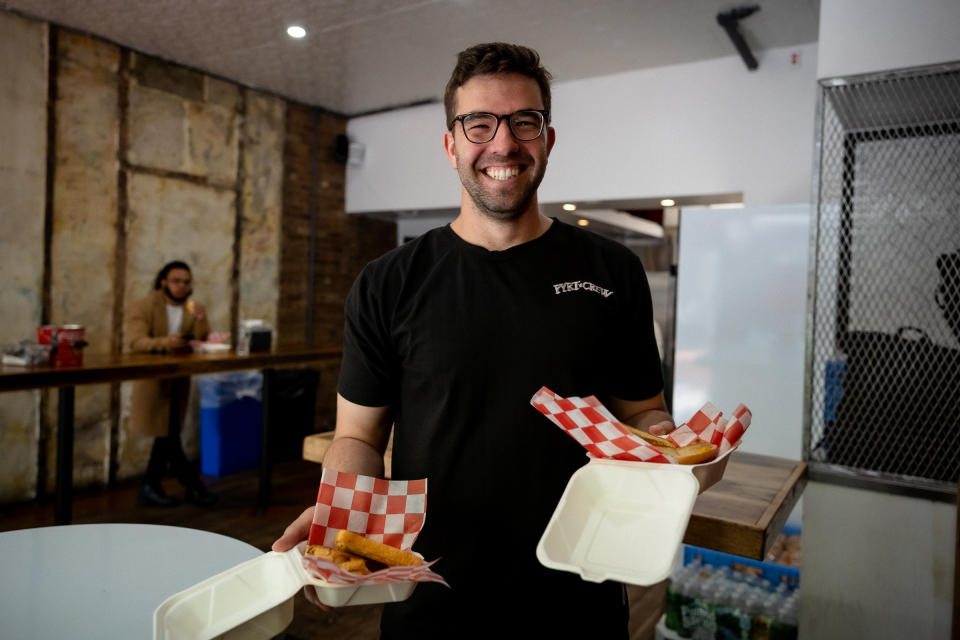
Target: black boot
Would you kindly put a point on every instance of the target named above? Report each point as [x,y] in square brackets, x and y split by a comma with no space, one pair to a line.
[198,494]
[154,496]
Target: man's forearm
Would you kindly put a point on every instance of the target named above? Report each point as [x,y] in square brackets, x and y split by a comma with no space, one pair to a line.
[354,456]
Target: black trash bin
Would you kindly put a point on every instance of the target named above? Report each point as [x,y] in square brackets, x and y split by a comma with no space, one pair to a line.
[293,405]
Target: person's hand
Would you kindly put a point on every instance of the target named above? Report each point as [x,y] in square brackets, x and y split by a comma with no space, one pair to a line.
[196,309]
[176,342]
[298,530]
[662,428]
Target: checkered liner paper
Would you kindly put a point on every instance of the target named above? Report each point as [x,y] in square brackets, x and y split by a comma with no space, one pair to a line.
[591,424]
[387,511]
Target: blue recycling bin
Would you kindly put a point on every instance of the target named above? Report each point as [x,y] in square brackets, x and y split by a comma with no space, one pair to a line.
[230,418]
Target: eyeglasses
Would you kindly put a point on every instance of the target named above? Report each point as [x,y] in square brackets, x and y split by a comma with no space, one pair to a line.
[480,127]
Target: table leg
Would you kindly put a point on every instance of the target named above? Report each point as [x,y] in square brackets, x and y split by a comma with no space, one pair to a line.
[64,491]
[264,488]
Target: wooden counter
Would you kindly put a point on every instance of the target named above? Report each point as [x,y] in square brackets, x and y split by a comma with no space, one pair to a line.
[130,366]
[741,514]
[117,368]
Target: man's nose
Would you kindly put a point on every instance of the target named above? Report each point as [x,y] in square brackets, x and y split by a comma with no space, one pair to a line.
[503,141]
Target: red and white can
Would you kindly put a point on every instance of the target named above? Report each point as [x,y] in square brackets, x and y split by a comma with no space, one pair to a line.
[68,341]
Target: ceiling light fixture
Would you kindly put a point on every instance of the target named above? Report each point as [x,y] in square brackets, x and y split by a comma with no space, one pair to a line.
[582,222]
[667,202]
[295,31]
[569,207]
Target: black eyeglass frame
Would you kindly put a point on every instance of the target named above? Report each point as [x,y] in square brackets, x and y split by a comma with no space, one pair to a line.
[545,117]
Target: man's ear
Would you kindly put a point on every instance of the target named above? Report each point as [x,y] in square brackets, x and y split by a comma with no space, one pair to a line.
[449,146]
[551,139]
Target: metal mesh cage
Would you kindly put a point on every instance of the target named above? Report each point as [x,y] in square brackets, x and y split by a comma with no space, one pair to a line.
[883,369]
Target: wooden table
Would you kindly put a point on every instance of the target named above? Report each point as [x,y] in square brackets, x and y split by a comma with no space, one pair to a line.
[116,368]
[741,514]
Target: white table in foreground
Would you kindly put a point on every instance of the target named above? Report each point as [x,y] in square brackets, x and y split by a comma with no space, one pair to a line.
[103,580]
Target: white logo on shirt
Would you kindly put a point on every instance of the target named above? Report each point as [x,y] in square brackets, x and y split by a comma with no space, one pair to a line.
[576,285]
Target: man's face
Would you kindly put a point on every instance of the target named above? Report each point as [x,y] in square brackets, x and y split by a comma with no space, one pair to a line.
[177,285]
[501,177]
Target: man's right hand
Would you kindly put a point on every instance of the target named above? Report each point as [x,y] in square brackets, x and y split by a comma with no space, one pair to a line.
[298,530]
[176,342]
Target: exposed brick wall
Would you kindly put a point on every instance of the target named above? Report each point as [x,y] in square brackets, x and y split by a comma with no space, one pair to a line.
[342,244]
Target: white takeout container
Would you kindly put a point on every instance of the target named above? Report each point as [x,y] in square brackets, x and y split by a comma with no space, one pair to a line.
[254,600]
[211,347]
[624,521]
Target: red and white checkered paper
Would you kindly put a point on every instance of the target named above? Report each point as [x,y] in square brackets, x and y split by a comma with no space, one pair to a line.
[387,511]
[591,424]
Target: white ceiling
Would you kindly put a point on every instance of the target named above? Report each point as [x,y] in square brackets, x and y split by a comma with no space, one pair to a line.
[361,56]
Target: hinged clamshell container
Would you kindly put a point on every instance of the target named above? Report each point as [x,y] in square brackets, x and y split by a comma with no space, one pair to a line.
[254,600]
[624,521]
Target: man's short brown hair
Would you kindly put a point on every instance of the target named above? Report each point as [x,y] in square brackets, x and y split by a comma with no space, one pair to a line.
[495,57]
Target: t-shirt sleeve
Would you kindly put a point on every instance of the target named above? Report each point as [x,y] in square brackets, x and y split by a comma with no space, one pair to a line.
[368,373]
[638,371]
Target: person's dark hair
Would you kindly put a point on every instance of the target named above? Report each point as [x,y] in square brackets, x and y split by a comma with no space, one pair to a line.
[162,275]
[495,57]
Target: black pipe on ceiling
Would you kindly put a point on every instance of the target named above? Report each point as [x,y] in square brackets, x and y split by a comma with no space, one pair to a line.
[730,21]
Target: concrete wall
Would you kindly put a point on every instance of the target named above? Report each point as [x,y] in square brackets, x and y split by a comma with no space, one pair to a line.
[23,140]
[150,162]
[877,565]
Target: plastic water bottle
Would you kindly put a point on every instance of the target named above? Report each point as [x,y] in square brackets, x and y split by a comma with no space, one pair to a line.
[784,626]
[676,599]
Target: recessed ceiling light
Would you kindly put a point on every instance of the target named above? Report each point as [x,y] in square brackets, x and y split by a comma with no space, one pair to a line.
[295,31]
[582,222]
[569,207]
[667,202]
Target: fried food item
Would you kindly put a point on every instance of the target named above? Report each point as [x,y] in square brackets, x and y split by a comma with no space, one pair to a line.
[649,437]
[390,556]
[344,559]
[699,451]
[694,453]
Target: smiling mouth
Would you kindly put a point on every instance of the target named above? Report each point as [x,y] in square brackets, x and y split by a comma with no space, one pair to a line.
[501,173]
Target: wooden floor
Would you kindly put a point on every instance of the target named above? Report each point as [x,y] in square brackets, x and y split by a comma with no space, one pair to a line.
[294,488]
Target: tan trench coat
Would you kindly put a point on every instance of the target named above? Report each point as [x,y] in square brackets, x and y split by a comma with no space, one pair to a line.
[145,331]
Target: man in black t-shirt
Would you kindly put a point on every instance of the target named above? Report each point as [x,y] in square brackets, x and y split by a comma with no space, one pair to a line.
[448,337]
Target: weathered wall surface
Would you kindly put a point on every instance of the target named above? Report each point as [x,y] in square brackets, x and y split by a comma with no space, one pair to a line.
[152,162]
[23,140]
[261,206]
[84,231]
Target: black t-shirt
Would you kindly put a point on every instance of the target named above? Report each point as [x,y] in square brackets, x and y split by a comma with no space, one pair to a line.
[457,339]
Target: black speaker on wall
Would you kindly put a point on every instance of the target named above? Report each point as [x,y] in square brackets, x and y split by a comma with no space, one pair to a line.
[341,149]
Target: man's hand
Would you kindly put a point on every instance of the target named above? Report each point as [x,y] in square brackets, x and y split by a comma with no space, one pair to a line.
[662,428]
[298,530]
[648,415]
[175,342]
[196,309]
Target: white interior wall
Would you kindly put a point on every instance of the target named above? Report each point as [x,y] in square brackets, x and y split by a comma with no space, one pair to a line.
[875,566]
[878,565]
[699,128]
[863,36]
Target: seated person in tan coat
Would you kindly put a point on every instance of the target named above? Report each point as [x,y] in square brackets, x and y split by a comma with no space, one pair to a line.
[165,321]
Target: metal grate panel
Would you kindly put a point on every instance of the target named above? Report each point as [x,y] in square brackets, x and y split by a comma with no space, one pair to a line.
[883,370]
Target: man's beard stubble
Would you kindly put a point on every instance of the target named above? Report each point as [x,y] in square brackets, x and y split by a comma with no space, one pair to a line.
[500,207]
[166,290]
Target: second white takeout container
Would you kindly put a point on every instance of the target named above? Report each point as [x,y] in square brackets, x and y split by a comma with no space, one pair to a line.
[254,599]
[624,521]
